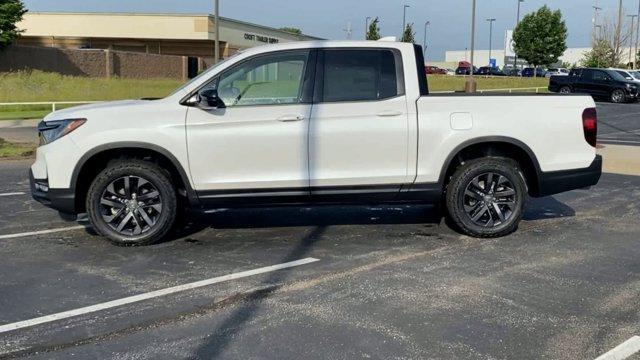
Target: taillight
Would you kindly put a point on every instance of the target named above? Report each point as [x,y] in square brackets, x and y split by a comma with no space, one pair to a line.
[590,125]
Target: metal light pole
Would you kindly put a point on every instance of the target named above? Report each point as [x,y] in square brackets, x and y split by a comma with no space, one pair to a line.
[635,55]
[366,27]
[491,20]
[515,56]
[633,18]
[470,85]
[424,43]
[216,51]
[404,20]
[618,30]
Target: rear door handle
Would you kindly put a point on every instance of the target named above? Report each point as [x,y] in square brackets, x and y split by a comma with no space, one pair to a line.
[390,113]
[289,118]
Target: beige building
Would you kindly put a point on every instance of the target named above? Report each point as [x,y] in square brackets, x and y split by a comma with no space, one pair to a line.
[168,34]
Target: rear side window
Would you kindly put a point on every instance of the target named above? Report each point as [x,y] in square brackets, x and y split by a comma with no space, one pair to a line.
[361,75]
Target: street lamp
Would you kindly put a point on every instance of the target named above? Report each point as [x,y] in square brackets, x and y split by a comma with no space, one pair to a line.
[404,20]
[491,20]
[424,43]
[366,27]
[470,84]
[515,56]
[633,17]
[216,51]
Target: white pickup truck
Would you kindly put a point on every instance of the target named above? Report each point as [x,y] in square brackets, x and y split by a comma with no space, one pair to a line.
[313,123]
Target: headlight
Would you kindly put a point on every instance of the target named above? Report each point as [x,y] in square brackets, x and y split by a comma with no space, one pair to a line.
[52,130]
[631,87]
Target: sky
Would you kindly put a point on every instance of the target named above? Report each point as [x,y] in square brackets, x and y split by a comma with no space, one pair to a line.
[449,20]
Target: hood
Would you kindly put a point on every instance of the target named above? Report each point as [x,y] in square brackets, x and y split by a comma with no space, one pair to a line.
[84,111]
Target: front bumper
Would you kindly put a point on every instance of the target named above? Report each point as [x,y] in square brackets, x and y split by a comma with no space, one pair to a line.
[556,182]
[63,200]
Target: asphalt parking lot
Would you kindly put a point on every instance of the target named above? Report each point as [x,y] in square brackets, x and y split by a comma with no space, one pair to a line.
[330,282]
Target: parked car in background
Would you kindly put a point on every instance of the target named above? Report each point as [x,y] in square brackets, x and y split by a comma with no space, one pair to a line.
[490,71]
[434,70]
[559,72]
[531,72]
[451,72]
[466,70]
[331,132]
[599,83]
[632,75]
[509,70]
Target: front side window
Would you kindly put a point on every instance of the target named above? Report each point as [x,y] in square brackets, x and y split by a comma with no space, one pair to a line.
[600,76]
[361,75]
[266,80]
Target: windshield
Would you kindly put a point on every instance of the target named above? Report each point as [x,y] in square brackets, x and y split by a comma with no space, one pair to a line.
[204,73]
[636,75]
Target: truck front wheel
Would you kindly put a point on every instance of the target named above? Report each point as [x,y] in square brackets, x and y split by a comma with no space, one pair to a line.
[132,202]
[485,197]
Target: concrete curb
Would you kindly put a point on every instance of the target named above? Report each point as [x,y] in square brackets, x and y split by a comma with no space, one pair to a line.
[8,124]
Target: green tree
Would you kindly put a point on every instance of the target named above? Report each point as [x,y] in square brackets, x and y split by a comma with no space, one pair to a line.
[11,12]
[373,33]
[408,35]
[541,37]
[600,55]
[289,29]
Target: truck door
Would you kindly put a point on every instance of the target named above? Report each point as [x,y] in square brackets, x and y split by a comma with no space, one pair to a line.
[359,131]
[256,147]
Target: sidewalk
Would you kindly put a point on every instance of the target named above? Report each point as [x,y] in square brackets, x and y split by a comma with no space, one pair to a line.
[620,159]
[20,131]
[31,123]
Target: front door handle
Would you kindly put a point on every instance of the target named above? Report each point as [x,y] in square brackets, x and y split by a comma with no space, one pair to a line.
[390,113]
[289,118]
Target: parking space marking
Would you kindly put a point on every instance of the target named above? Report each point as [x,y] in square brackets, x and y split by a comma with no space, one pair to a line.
[151,295]
[13,194]
[41,232]
[623,350]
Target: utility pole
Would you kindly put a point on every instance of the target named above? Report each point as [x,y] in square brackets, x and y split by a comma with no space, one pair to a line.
[470,84]
[635,55]
[491,20]
[631,61]
[424,43]
[216,51]
[596,26]
[515,56]
[366,27]
[404,20]
[618,39]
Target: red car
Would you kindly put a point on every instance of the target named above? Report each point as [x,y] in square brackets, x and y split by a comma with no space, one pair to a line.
[435,70]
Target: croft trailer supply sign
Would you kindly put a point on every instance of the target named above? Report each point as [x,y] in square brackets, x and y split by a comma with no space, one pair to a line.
[264,39]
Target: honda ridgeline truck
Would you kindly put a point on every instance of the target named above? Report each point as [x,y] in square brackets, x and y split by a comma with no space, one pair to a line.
[321,122]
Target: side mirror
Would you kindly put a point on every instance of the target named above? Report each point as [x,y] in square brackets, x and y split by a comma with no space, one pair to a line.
[209,99]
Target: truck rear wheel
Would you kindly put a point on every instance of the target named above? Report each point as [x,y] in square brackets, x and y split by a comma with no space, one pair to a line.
[132,202]
[618,96]
[565,90]
[485,197]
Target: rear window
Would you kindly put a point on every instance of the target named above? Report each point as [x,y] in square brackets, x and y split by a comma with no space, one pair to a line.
[361,75]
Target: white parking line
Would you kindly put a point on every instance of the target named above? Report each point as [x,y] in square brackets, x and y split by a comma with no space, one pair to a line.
[623,350]
[13,194]
[41,232]
[152,294]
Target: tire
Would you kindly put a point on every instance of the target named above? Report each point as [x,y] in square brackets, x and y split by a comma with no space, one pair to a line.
[618,96]
[140,216]
[473,176]
[565,90]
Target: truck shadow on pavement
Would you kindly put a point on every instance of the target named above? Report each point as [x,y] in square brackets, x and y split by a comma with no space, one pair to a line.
[275,217]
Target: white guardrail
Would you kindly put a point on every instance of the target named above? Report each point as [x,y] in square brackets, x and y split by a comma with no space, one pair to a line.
[54,104]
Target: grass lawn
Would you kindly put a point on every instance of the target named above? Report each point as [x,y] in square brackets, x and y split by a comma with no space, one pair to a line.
[40,86]
[12,150]
[456,83]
